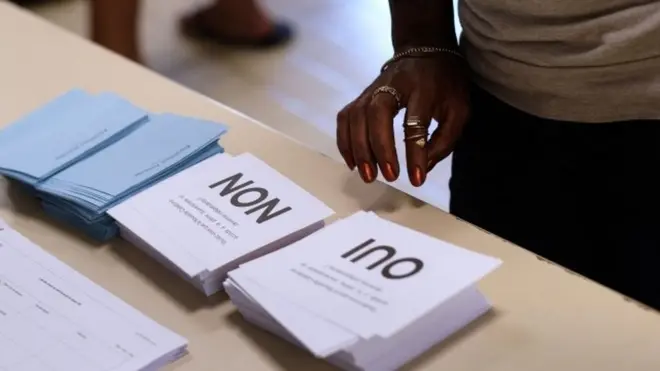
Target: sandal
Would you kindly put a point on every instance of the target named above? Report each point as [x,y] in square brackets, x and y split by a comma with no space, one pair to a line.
[194,27]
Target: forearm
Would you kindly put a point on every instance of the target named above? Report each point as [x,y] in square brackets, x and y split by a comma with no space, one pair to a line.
[422,23]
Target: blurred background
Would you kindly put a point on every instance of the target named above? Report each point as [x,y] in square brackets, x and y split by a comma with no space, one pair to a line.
[297,89]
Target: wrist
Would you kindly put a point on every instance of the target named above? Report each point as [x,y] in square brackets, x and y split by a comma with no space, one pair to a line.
[438,45]
[440,42]
[420,52]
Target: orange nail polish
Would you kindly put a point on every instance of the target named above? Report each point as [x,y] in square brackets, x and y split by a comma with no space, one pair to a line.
[389,172]
[418,177]
[367,172]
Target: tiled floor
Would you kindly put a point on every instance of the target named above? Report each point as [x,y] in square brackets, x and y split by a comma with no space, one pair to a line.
[296,90]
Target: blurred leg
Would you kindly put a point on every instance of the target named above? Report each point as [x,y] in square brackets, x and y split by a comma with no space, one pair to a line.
[115,26]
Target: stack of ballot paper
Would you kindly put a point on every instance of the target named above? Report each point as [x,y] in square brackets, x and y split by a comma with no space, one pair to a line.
[363,293]
[206,220]
[65,130]
[53,318]
[84,153]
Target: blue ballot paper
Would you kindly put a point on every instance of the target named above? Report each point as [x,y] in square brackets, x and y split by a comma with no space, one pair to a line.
[33,121]
[91,216]
[163,145]
[99,226]
[83,153]
[66,130]
[102,230]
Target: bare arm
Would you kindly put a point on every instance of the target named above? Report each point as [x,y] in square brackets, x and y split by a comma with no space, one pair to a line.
[422,23]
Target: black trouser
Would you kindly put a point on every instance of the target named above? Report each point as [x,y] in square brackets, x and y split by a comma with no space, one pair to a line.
[582,195]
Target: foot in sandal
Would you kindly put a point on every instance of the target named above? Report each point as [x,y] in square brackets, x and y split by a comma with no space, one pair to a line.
[238,23]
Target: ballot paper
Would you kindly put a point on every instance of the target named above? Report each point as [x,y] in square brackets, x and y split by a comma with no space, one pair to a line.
[363,293]
[82,153]
[226,210]
[159,148]
[67,129]
[100,230]
[53,318]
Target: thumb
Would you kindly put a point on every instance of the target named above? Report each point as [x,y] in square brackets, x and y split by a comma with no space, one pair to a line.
[444,138]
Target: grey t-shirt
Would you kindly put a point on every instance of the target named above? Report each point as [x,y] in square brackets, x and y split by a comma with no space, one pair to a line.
[571,60]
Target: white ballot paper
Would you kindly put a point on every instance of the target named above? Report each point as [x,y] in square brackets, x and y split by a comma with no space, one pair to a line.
[363,293]
[224,211]
[54,319]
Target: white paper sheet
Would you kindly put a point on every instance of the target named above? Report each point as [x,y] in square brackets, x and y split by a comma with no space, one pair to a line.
[369,275]
[54,319]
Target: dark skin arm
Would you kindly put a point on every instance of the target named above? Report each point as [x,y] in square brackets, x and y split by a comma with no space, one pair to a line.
[432,86]
[422,23]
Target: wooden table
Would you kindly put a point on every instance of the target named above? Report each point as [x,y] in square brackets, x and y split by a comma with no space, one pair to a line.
[545,319]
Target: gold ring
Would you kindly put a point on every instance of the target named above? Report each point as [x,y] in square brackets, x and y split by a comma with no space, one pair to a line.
[415,131]
[413,137]
[391,91]
[412,122]
[419,139]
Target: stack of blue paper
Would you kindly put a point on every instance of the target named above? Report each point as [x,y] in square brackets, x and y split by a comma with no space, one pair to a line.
[85,153]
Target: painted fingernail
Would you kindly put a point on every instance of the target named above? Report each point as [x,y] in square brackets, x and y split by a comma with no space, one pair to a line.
[417,177]
[366,172]
[389,173]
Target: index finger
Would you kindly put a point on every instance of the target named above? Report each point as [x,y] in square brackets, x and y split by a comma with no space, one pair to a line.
[380,115]
[344,137]
[415,131]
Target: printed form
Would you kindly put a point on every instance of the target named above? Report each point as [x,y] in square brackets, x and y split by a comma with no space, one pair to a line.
[54,319]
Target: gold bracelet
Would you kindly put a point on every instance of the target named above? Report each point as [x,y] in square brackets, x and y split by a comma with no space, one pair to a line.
[419,50]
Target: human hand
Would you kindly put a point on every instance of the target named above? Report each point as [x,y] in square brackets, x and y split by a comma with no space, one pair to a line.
[429,87]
